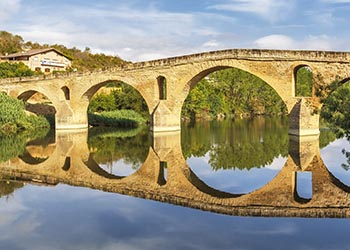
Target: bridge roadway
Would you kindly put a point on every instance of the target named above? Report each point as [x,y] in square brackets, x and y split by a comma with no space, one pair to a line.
[165,84]
[71,163]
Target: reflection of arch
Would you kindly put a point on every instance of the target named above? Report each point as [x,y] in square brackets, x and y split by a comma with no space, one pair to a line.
[35,153]
[162,85]
[296,195]
[203,187]
[66,92]
[303,80]
[29,159]
[94,167]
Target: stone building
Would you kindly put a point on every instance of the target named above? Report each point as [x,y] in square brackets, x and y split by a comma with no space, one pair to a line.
[45,60]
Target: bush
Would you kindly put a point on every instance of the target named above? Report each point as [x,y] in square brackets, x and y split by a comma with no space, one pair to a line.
[13,117]
[118,118]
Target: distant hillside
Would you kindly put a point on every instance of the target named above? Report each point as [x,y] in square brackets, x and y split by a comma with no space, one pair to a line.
[81,60]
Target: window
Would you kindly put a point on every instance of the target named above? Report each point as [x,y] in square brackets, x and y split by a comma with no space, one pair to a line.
[162,87]
[38,69]
[47,70]
[162,178]
[303,186]
[66,92]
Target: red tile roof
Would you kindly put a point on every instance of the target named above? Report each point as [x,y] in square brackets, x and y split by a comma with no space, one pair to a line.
[32,53]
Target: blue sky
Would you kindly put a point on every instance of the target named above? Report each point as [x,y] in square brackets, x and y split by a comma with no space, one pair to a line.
[139,30]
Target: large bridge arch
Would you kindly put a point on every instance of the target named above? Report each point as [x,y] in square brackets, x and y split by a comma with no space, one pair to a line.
[267,72]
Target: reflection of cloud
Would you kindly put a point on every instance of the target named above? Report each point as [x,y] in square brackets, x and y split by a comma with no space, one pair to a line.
[235,180]
[80,218]
[16,219]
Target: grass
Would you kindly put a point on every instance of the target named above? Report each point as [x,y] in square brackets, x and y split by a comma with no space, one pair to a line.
[118,118]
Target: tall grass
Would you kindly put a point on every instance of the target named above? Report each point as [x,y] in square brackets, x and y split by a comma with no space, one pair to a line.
[14,119]
[117,118]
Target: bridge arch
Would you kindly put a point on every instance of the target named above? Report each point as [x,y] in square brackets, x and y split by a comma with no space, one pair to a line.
[303,80]
[93,88]
[41,104]
[194,80]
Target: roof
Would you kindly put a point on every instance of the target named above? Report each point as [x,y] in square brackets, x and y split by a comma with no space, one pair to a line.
[33,52]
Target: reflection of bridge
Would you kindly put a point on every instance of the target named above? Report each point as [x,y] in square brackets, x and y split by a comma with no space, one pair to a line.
[165,84]
[71,164]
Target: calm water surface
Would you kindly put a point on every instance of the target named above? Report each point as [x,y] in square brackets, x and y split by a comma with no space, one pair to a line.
[235,157]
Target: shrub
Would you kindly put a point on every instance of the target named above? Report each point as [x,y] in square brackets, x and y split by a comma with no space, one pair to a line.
[13,117]
[118,118]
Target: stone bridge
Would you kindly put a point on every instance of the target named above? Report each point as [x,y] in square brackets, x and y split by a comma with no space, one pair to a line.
[165,84]
[71,163]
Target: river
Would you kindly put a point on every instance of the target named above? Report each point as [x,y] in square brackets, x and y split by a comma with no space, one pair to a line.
[242,184]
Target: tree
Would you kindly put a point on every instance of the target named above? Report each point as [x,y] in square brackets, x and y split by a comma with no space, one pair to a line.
[303,78]
[235,93]
[336,110]
[10,43]
[8,69]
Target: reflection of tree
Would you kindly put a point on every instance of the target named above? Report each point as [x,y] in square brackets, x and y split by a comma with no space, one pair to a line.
[8,187]
[14,145]
[111,145]
[326,137]
[336,111]
[240,144]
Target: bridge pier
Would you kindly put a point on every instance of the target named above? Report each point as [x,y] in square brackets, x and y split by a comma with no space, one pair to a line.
[70,117]
[165,119]
[303,120]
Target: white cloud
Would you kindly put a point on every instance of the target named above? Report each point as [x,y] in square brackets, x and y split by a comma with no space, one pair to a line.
[131,33]
[270,10]
[277,41]
[8,8]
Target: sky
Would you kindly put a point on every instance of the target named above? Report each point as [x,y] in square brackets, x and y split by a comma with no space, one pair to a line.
[140,30]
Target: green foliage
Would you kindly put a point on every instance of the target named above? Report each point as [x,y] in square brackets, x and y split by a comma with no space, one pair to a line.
[243,144]
[129,98]
[109,145]
[81,60]
[10,43]
[303,81]
[102,102]
[8,69]
[336,110]
[116,118]
[13,117]
[11,109]
[8,187]
[118,105]
[235,93]
[13,145]
[326,137]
